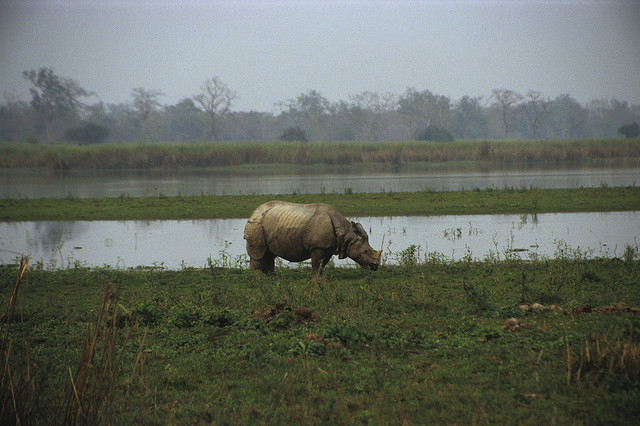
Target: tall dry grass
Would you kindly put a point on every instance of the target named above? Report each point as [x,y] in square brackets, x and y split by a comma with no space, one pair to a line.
[600,355]
[18,387]
[88,397]
[165,155]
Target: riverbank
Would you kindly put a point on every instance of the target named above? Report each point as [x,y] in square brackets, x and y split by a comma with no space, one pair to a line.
[532,342]
[509,201]
[202,155]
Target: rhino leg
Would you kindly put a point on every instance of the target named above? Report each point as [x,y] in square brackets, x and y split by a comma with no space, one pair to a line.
[319,258]
[266,264]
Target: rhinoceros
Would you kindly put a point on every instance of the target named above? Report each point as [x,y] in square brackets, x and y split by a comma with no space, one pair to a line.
[298,232]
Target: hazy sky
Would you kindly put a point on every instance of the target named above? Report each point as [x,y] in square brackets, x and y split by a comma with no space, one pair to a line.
[270,51]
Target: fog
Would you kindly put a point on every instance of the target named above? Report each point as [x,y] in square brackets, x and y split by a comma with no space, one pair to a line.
[270,51]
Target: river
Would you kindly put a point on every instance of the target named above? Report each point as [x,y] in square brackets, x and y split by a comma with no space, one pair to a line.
[196,243]
[140,183]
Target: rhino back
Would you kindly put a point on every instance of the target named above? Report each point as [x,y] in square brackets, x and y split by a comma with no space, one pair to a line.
[287,227]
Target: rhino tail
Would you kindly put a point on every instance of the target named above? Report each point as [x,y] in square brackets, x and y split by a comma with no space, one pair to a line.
[256,243]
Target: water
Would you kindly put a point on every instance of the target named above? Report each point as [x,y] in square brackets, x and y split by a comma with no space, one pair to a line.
[96,184]
[174,244]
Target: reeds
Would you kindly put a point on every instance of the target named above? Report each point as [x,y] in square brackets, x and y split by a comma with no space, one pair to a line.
[200,155]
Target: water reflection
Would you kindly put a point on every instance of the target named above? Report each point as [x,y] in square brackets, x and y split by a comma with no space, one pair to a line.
[138,183]
[174,244]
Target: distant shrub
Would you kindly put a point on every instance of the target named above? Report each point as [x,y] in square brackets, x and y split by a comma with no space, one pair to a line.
[434,134]
[31,140]
[631,130]
[88,133]
[294,134]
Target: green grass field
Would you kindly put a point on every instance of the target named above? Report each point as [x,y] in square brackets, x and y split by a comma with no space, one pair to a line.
[515,201]
[422,342]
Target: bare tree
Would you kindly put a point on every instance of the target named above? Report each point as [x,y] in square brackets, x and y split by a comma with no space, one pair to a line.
[535,107]
[145,102]
[373,106]
[215,99]
[505,102]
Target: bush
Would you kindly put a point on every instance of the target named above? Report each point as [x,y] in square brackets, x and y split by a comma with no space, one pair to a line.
[88,133]
[147,313]
[434,134]
[631,130]
[294,134]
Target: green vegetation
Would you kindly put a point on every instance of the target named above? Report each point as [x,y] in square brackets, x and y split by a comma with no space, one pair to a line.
[424,341]
[113,156]
[351,204]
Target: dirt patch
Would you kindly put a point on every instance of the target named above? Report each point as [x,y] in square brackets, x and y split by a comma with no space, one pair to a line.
[582,309]
[302,313]
[513,324]
[326,343]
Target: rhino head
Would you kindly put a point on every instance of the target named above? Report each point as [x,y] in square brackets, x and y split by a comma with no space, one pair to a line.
[356,246]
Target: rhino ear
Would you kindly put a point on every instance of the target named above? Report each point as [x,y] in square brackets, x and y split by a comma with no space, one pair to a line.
[343,244]
[256,244]
[345,240]
[360,231]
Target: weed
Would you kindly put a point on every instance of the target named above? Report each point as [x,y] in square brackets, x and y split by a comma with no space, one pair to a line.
[146,312]
[630,253]
[409,257]
[347,332]
[477,296]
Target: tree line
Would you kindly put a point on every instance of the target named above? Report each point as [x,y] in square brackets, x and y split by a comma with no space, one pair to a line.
[61,110]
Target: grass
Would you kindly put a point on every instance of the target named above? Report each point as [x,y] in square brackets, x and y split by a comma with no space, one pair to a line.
[424,341]
[183,155]
[515,201]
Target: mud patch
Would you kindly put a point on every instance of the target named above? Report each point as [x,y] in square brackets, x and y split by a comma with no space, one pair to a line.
[312,337]
[582,309]
[302,313]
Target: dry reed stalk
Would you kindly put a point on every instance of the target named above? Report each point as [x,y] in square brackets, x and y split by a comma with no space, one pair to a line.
[22,388]
[602,355]
[92,389]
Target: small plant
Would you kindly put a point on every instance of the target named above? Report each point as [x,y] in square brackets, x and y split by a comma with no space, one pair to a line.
[630,253]
[409,257]
[477,296]
[147,313]
[347,332]
[219,319]
[183,317]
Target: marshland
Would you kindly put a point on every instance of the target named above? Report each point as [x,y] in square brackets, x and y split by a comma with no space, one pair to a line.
[511,335]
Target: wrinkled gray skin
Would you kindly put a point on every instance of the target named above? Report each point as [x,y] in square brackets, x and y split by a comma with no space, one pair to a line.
[298,232]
